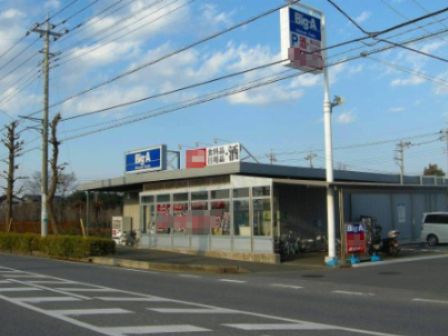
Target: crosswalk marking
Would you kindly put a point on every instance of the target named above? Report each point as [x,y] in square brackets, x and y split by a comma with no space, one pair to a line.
[160,329]
[78,312]
[68,289]
[278,326]
[19,289]
[132,299]
[41,299]
[54,290]
[192,310]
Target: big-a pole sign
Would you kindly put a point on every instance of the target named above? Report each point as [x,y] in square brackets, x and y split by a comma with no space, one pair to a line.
[301,38]
[148,159]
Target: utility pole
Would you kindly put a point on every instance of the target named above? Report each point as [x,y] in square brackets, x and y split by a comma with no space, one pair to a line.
[399,158]
[445,137]
[272,158]
[310,157]
[45,33]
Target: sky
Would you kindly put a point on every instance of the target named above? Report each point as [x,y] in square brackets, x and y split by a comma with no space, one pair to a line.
[116,51]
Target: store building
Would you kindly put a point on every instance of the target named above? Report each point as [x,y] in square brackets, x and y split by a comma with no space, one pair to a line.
[239,210]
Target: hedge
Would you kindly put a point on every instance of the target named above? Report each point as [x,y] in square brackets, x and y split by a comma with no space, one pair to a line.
[56,246]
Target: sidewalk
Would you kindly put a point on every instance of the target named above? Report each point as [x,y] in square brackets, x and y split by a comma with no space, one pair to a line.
[172,261]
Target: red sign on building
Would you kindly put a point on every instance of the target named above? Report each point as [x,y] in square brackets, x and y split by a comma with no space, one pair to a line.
[196,158]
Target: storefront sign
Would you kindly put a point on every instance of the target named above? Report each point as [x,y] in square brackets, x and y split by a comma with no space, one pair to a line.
[196,158]
[223,154]
[301,37]
[355,238]
[148,159]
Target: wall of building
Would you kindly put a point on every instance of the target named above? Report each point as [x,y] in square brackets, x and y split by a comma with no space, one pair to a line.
[397,210]
[131,208]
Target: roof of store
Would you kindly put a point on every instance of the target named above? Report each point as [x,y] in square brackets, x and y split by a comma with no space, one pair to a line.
[135,181]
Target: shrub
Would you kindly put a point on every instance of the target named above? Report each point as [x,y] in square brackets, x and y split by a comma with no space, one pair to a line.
[57,246]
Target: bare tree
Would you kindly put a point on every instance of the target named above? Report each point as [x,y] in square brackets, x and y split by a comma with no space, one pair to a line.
[11,140]
[56,171]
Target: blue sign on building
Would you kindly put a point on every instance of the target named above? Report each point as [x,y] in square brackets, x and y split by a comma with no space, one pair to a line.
[304,24]
[148,159]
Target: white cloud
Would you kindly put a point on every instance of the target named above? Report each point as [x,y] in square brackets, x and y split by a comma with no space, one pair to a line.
[364,16]
[347,117]
[52,4]
[212,16]
[265,96]
[409,81]
[397,109]
[11,13]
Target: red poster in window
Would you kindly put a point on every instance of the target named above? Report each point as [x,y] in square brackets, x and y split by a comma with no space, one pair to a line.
[196,158]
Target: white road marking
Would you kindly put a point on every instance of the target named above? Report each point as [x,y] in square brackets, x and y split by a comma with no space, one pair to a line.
[111,332]
[160,329]
[68,289]
[139,270]
[133,299]
[279,326]
[19,289]
[192,310]
[232,280]
[286,286]
[40,299]
[52,290]
[352,293]
[51,282]
[78,312]
[430,301]
[4,282]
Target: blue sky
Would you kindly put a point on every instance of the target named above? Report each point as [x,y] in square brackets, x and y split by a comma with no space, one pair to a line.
[392,95]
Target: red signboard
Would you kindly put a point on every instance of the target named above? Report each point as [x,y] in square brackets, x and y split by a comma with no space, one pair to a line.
[196,158]
[355,238]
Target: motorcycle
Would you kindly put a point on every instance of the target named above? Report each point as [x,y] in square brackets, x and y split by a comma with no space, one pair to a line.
[390,245]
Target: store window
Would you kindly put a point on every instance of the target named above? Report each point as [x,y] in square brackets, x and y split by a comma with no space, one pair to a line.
[199,195]
[262,217]
[241,217]
[163,209]
[200,218]
[240,192]
[181,197]
[147,199]
[180,218]
[261,191]
[220,217]
[220,194]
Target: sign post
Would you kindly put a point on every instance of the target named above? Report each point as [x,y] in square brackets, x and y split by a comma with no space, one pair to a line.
[303,42]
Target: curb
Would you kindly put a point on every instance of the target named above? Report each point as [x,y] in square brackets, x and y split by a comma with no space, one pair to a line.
[146,265]
[397,261]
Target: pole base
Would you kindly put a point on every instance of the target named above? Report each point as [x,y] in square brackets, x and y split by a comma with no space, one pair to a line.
[331,261]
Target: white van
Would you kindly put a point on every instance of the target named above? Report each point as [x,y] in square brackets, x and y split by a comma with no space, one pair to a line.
[435,227]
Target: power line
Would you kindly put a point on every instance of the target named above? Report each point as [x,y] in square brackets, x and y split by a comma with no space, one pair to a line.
[169,92]
[166,56]
[76,13]
[87,51]
[178,90]
[420,74]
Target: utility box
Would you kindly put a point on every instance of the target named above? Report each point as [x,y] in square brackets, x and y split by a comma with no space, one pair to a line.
[121,228]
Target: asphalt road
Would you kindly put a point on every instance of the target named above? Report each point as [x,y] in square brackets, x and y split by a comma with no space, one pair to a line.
[48,297]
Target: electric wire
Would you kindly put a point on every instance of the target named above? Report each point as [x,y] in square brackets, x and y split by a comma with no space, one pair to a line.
[68,58]
[170,54]
[180,89]
[117,28]
[64,21]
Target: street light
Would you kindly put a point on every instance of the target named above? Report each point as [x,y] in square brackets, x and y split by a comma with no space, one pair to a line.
[337,100]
